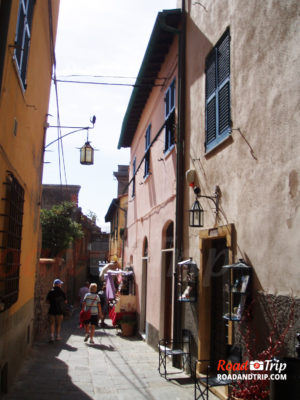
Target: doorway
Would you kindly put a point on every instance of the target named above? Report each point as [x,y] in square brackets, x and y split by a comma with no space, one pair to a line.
[217,258]
[167,279]
[168,269]
[143,316]
[216,250]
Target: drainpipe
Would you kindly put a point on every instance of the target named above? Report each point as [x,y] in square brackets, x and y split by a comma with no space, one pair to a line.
[179,217]
[179,163]
[179,160]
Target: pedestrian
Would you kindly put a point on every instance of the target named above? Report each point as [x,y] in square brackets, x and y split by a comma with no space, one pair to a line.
[83,291]
[104,303]
[57,300]
[91,302]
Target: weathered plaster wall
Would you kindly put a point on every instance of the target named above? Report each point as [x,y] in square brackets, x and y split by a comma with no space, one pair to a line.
[258,167]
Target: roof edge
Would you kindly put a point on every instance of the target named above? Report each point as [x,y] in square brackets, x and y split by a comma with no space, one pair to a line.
[153,37]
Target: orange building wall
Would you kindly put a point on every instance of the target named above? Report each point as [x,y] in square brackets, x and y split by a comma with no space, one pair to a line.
[116,245]
[21,152]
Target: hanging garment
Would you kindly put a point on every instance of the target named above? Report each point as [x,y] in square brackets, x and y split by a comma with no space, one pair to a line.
[110,287]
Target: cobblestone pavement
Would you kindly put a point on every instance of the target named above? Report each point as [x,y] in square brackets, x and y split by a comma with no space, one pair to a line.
[114,368]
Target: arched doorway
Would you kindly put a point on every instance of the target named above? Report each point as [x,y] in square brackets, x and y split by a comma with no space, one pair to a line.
[143,315]
[167,278]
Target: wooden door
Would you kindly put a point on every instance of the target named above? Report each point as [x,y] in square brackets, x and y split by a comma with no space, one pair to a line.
[218,257]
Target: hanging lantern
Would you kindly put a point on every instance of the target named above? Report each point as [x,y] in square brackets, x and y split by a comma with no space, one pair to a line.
[196,215]
[87,154]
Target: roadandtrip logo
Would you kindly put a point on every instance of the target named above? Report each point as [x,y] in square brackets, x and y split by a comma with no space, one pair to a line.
[252,370]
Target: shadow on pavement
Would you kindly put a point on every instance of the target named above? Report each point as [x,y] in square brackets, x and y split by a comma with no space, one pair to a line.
[43,375]
[102,347]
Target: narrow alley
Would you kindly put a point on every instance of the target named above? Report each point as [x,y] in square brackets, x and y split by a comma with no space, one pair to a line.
[113,368]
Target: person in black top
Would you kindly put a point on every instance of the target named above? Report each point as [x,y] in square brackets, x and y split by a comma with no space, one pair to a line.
[104,303]
[56,299]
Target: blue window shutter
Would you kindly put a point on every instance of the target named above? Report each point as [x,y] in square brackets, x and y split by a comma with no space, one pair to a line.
[211,75]
[23,36]
[223,53]
[167,103]
[147,151]
[170,116]
[217,93]
[133,175]
[211,121]
[224,109]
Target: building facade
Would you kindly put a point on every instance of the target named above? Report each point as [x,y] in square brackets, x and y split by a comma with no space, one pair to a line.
[74,265]
[236,154]
[117,217]
[242,136]
[26,57]
[149,129]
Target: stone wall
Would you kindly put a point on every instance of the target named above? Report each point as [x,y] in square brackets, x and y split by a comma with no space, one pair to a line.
[270,316]
[48,270]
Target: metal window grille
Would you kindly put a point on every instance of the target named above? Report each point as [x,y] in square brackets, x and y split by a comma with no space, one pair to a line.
[11,237]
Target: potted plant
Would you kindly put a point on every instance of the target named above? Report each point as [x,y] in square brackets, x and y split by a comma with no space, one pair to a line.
[127,323]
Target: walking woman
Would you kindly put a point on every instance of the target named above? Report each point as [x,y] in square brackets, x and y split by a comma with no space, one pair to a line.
[91,302]
[56,299]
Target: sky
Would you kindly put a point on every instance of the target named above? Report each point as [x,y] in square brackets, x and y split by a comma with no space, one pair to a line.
[99,41]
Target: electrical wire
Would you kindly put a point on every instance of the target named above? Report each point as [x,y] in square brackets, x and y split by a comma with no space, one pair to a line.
[53,59]
[150,85]
[111,76]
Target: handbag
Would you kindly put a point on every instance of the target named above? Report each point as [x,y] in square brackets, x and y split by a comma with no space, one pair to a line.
[84,315]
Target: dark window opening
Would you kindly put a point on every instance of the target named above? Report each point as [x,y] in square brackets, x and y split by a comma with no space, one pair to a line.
[169,236]
[11,237]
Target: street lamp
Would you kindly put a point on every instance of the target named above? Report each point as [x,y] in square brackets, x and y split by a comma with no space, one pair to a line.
[86,151]
[87,154]
[196,215]
[196,211]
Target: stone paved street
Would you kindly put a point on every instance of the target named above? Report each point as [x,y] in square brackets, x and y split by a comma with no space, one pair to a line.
[114,368]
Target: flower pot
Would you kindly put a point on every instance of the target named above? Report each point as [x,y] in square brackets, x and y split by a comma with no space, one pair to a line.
[127,329]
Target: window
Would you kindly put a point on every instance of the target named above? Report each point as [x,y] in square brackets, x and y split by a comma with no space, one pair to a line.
[23,35]
[169,236]
[5,7]
[133,176]
[170,117]
[114,225]
[217,93]
[147,151]
[10,244]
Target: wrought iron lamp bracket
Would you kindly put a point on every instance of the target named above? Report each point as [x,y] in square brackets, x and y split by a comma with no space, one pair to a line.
[215,198]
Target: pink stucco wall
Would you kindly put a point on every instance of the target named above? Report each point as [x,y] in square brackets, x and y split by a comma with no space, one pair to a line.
[153,206]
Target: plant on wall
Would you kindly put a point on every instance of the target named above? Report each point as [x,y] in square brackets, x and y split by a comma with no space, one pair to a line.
[59,228]
[260,389]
